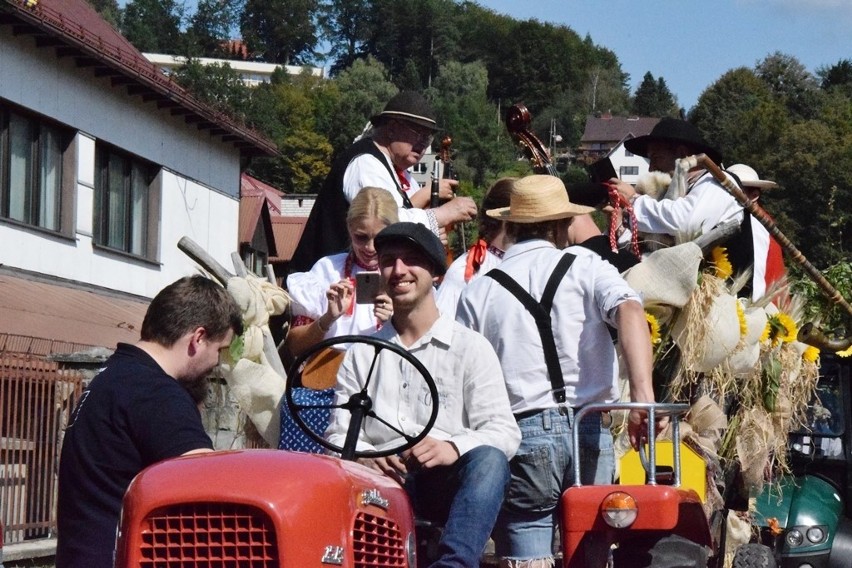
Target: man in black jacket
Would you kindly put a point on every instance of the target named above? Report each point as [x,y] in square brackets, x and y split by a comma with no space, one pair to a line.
[400,137]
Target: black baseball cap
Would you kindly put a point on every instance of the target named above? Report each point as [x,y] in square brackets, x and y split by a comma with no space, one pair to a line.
[418,235]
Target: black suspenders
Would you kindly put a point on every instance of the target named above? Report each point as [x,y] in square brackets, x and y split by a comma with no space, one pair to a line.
[540,311]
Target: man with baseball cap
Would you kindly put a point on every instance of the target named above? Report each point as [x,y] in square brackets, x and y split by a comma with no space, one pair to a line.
[457,475]
[401,135]
[545,309]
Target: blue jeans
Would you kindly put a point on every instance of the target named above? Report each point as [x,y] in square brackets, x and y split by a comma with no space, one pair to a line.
[541,470]
[466,497]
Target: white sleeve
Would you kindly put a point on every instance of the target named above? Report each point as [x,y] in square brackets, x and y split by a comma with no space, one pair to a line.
[367,171]
[347,385]
[704,207]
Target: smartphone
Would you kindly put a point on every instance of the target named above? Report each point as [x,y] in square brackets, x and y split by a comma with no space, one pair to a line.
[367,287]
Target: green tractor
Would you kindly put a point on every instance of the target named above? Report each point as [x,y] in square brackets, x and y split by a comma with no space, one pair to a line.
[805,516]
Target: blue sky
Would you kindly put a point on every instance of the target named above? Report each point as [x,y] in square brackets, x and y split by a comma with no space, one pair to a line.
[691,43]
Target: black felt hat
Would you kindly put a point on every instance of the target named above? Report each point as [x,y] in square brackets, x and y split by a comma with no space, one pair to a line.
[409,106]
[418,235]
[674,131]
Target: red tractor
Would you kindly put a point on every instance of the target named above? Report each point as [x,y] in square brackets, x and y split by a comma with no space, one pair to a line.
[272,508]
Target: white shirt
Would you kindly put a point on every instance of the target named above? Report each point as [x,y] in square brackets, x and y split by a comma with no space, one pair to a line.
[584,303]
[453,283]
[308,292]
[367,171]
[473,406]
[705,205]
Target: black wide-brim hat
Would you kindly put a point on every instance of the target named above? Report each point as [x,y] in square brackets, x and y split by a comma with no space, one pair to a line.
[409,106]
[675,131]
[420,237]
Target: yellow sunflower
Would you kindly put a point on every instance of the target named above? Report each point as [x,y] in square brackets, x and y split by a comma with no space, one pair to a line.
[811,354]
[845,353]
[742,319]
[720,262]
[779,328]
[654,328]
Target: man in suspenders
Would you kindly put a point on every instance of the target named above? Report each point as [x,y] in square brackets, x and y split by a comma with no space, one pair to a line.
[545,310]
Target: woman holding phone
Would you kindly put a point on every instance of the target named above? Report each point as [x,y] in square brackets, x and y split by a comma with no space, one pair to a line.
[326,302]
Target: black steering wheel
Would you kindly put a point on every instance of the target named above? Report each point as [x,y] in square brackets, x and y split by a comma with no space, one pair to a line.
[359,405]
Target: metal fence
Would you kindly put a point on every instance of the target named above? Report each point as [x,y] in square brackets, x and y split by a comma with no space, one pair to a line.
[36,400]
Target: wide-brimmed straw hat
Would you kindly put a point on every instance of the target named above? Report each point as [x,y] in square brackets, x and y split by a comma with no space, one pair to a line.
[538,198]
[409,106]
[674,131]
[749,178]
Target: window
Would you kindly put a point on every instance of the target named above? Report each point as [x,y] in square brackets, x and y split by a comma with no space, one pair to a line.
[36,171]
[420,168]
[628,171]
[126,203]
[628,153]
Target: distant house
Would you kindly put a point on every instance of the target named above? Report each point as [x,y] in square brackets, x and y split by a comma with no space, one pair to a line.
[604,136]
[252,73]
[105,164]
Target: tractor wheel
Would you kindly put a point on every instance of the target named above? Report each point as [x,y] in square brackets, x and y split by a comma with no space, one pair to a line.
[672,551]
[754,555]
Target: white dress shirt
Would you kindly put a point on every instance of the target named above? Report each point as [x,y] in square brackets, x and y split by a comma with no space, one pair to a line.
[473,404]
[367,171]
[705,205]
[584,303]
[447,295]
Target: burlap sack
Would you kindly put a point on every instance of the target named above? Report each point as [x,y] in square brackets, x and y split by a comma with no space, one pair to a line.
[667,276]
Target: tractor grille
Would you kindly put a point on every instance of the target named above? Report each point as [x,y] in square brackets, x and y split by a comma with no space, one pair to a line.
[208,535]
[377,542]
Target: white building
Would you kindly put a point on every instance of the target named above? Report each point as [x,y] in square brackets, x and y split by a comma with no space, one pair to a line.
[105,164]
[252,73]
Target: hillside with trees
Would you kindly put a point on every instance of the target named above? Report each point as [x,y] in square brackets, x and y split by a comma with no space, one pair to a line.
[791,125]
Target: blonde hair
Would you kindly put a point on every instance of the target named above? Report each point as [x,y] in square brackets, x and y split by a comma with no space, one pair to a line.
[373,202]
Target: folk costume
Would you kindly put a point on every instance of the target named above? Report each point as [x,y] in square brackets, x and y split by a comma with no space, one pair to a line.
[363,165]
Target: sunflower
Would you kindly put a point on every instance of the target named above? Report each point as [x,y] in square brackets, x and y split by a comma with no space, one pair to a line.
[742,319]
[654,328]
[720,262]
[845,353]
[779,328]
[811,354]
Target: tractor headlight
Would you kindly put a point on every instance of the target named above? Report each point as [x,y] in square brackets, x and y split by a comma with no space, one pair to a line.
[619,510]
[794,537]
[411,549]
[815,535]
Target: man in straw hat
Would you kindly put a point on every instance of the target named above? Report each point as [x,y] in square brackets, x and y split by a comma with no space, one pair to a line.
[556,360]
[401,135]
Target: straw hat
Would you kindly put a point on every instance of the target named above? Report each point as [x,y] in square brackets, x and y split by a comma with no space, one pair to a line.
[749,178]
[538,198]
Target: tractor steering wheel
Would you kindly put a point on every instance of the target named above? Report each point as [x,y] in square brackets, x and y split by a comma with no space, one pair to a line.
[359,405]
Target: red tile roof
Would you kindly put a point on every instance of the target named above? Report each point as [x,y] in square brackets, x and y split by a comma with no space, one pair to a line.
[288,231]
[76,30]
[62,312]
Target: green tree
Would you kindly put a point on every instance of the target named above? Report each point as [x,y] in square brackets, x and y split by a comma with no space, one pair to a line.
[211,26]
[464,112]
[837,76]
[217,85]
[790,82]
[280,31]
[109,11]
[364,89]
[740,117]
[346,26]
[153,25]
[653,98]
